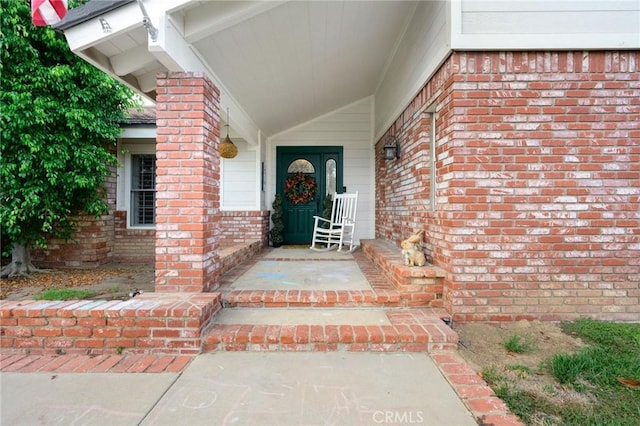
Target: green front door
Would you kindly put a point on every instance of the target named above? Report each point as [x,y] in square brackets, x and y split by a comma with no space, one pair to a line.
[304,176]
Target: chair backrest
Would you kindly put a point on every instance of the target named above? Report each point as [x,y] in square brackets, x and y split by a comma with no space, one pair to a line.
[344,208]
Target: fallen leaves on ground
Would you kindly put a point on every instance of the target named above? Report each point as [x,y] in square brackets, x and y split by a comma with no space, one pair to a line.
[57,278]
[632,383]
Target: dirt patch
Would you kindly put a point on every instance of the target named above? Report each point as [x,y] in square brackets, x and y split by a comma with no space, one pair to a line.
[113,281]
[483,347]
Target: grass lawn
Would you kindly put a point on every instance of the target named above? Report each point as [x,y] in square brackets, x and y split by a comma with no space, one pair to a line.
[65,294]
[597,385]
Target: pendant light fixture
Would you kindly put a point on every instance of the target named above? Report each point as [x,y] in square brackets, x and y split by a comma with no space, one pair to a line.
[227,148]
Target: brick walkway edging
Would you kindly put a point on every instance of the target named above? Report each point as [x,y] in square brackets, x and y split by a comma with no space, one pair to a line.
[474,392]
[12,361]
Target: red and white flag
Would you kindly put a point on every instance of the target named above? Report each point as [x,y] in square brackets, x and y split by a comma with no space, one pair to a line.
[47,12]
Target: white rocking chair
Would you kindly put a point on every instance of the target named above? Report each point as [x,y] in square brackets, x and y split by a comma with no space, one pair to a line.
[339,230]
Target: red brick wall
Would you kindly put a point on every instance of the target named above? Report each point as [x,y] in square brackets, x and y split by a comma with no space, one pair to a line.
[538,184]
[237,227]
[92,246]
[93,239]
[138,245]
[151,323]
[187,183]
[132,245]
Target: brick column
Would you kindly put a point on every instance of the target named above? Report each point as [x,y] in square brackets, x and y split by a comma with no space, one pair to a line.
[187,183]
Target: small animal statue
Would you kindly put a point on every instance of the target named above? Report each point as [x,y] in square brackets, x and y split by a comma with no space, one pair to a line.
[412,250]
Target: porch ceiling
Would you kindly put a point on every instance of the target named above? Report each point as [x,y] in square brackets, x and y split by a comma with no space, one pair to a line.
[278,63]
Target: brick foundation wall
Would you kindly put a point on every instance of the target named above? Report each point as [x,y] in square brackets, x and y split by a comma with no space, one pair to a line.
[138,245]
[92,247]
[538,184]
[132,245]
[93,239]
[238,227]
[100,241]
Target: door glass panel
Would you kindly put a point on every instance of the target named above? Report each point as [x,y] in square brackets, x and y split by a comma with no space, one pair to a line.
[330,178]
[300,165]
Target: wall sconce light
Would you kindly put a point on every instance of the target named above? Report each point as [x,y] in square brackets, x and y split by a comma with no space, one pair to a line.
[227,148]
[391,148]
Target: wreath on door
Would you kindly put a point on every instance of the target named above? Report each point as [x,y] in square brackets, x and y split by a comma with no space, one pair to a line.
[300,188]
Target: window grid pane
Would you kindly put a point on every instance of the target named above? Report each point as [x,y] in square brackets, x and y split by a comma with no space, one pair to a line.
[143,208]
[300,165]
[143,183]
[144,172]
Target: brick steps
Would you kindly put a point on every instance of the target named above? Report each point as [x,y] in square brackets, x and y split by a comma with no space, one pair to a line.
[408,300]
[423,284]
[403,330]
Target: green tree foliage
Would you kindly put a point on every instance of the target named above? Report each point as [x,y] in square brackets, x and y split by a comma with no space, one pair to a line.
[57,114]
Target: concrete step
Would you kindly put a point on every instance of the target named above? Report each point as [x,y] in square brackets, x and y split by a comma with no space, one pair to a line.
[330,329]
[298,316]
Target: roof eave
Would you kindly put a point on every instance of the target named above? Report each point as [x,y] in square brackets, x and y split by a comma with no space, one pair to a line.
[88,11]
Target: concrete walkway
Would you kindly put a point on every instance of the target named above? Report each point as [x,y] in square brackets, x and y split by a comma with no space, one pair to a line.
[244,388]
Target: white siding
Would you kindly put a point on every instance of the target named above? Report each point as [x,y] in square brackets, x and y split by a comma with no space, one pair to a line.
[349,127]
[545,24]
[424,47]
[240,179]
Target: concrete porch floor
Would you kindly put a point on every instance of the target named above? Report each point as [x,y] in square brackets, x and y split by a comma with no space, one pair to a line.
[289,269]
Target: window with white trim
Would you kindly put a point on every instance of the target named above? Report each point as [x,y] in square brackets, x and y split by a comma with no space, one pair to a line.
[136,182]
[143,190]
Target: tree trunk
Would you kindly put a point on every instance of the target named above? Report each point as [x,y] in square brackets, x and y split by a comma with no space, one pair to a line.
[20,263]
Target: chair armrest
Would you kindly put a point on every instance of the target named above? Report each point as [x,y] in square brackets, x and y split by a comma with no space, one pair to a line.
[322,219]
